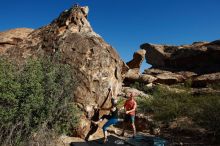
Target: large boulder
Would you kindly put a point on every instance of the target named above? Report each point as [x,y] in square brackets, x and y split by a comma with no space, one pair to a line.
[200,57]
[131,76]
[156,75]
[169,78]
[137,60]
[134,65]
[198,63]
[96,65]
[154,71]
[146,78]
[136,92]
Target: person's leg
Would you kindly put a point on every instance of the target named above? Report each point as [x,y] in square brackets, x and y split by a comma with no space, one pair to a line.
[105,136]
[123,128]
[106,125]
[125,124]
[101,119]
[133,125]
[120,120]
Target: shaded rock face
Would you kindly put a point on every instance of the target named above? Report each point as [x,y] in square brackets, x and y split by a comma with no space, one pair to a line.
[198,63]
[203,80]
[200,57]
[96,65]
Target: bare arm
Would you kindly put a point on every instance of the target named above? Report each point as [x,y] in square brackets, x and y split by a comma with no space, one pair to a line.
[109,94]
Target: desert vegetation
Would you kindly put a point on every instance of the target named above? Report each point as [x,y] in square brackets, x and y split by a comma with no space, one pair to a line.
[36,101]
[172,102]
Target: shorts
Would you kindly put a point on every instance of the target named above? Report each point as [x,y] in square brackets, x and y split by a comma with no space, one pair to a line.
[129,118]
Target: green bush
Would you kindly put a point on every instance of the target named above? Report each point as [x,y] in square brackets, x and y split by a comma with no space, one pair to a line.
[9,90]
[35,95]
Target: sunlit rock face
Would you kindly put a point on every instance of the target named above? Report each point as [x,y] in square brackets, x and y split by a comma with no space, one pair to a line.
[96,65]
[11,38]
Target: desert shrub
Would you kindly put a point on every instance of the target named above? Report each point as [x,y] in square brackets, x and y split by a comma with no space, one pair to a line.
[135,85]
[9,93]
[35,95]
[174,104]
[142,87]
[121,101]
[188,83]
[9,90]
[144,105]
[208,115]
[167,105]
[215,86]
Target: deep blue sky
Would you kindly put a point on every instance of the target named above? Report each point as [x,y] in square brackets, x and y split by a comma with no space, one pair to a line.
[125,24]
